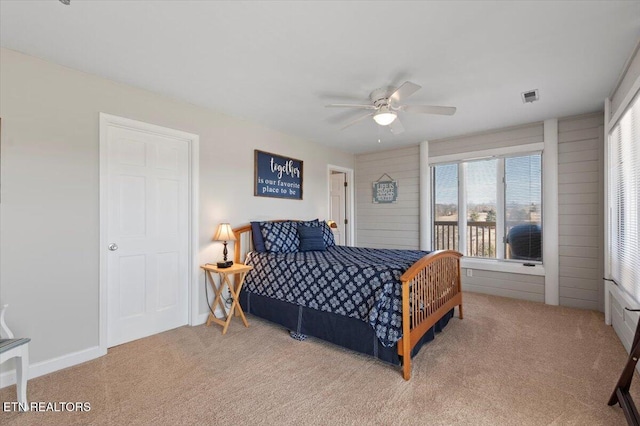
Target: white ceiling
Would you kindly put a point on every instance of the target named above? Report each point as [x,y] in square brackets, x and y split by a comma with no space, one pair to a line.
[279,63]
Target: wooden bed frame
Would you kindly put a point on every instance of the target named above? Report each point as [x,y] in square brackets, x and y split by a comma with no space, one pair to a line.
[431,287]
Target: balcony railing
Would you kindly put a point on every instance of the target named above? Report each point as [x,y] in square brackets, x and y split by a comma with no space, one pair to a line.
[481,237]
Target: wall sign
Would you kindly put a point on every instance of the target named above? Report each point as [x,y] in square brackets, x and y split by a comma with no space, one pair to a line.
[385,191]
[277,176]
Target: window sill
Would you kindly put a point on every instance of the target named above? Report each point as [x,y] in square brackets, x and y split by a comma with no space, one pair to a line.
[500,266]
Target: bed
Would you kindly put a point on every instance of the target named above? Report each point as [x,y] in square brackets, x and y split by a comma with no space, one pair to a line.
[385,303]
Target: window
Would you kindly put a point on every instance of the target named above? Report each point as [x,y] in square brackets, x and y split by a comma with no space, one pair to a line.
[481,189]
[445,194]
[523,207]
[501,212]
[624,201]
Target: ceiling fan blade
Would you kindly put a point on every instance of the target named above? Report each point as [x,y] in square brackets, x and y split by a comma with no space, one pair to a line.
[341,116]
[340,97]
[351,123]
[396,127]
[407,89]
[428,109]
[350,106]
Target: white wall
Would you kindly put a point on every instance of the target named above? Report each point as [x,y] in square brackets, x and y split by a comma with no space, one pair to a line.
[50,175]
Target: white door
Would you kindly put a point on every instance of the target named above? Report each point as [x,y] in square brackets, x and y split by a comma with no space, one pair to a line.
[338,205]
[147,233]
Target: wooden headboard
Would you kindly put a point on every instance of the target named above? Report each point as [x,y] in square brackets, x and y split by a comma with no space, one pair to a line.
[243,243]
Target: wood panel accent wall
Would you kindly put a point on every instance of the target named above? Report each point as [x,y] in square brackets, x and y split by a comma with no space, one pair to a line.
[516,286]
[500,138]
[581,210]
[393,225]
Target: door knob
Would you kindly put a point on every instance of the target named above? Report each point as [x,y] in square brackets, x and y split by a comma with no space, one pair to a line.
[113,247]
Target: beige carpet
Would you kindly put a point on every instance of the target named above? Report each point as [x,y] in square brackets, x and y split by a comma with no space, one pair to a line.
[508,362]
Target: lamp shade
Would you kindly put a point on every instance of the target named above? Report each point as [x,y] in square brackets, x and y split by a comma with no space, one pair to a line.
[384,116]
[224,233]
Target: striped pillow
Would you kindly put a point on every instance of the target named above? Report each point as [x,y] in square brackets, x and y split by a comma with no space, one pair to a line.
[311,238]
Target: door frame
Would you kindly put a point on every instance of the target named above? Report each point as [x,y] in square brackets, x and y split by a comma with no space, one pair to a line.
[193,142]
[350,239]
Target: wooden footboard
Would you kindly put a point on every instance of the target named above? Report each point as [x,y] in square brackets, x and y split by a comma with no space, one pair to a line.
[431,287]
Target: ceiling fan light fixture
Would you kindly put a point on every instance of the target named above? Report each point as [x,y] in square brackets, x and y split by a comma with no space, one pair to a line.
[384,116]
[386,103]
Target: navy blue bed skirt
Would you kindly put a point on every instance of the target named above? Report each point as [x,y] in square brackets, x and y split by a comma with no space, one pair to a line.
[350,333]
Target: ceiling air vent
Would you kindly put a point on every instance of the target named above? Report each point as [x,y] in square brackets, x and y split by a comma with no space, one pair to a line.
[530,96]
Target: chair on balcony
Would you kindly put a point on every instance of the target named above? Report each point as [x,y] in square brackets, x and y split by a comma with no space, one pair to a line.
[11,347]
[525,242]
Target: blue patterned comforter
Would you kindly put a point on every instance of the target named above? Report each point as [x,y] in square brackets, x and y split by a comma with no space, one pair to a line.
[355,282]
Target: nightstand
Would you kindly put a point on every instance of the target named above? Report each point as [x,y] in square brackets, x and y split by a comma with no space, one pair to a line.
[224,274]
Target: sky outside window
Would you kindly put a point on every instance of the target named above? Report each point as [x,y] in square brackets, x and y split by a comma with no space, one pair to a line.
[446,192]
[481,182]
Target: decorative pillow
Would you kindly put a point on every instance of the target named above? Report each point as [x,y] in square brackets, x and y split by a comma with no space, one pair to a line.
[280,237]
[327,235]
[256,235]
[310,223]
[311,238]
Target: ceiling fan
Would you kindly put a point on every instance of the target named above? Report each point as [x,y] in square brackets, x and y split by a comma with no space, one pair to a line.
[385,105]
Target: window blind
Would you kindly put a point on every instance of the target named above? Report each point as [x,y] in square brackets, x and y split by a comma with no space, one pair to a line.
[624,201]
[498,207]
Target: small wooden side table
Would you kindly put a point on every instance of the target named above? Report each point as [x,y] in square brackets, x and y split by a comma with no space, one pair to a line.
[224,273]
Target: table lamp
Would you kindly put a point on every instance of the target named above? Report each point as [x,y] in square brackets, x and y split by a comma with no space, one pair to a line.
[224,233]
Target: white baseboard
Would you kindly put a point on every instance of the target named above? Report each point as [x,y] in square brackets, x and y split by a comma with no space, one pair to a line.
[201,319]
[41,368]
